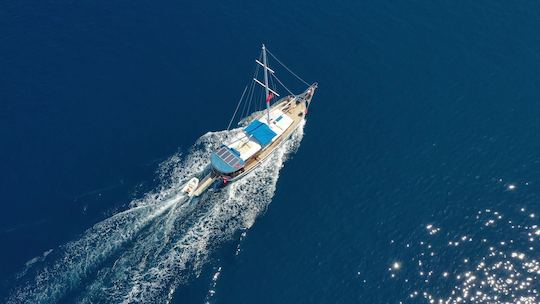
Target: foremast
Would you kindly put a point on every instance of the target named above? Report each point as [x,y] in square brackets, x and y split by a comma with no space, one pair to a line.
[266,89]
[269,93]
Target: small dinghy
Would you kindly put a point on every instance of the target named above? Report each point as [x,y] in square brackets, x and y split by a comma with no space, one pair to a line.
[190,186]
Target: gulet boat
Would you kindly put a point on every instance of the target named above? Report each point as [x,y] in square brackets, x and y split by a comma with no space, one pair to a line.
[263,131]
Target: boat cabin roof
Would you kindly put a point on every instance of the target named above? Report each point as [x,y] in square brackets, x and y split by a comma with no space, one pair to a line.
[260,132]
[226,160]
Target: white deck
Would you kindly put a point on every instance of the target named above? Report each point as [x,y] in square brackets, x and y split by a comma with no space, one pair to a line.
[279,122]
[247,147]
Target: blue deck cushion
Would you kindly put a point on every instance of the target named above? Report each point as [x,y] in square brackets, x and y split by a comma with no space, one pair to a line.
[226,160]
[261,132]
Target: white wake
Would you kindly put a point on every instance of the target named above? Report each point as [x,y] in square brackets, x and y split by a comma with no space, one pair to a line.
[143,254]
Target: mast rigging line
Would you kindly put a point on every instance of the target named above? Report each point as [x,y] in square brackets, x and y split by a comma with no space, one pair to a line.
[283,85]
[246,107]
[290,71]
[237,106]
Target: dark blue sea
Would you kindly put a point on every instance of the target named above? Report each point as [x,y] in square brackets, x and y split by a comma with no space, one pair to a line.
[416,178]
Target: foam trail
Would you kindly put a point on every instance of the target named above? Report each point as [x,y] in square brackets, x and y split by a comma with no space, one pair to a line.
[144,253]
[81,257]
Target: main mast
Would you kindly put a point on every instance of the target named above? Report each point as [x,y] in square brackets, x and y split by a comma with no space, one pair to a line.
[266,85]
[269,92]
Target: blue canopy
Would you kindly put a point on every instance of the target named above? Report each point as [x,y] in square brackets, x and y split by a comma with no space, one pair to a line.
[226,160]
[261,132]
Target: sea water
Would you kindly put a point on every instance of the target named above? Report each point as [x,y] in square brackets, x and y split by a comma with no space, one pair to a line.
[416,179]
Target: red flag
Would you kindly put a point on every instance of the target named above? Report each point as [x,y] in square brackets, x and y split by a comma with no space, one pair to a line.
[269,97]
